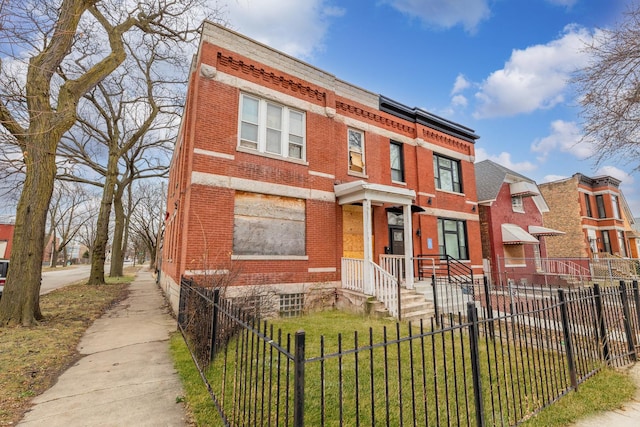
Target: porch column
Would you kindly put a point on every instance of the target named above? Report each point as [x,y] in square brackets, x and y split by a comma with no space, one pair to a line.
[368,252]
[408,246]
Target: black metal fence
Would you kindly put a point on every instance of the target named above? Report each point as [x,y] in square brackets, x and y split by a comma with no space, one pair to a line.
[498,368]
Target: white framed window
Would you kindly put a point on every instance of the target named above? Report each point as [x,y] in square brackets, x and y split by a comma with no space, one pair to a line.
[269,127]
[356,151]
[616,207]
[516,204]
[447,174]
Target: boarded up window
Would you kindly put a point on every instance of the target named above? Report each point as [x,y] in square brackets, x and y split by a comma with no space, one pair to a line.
[268,225]
[514,255]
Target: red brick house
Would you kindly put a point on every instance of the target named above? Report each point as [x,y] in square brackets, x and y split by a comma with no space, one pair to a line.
[6,240]
[514,238]
[292,178]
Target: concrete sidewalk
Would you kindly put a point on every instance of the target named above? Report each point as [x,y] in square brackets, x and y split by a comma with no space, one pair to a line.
[627,416]
[126,376]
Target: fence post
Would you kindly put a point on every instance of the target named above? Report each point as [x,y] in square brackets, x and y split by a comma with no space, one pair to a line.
[298,380]
[636,298]
[472,316]
[182,303]
[398,277]
[567,339]
[435,298]
[487,297]
[214,322]
[627,320]
[602,329]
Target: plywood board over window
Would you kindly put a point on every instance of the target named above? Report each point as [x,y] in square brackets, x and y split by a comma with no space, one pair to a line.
[268,225]
[352,232]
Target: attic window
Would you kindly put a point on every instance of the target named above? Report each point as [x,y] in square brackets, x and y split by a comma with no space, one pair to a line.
[516,204]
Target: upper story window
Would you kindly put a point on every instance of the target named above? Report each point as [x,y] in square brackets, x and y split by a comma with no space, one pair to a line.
[397,162]
[587,204]
[616,207]
[600,204]
[356,151]
[516,204]
[271,128]
[447,173]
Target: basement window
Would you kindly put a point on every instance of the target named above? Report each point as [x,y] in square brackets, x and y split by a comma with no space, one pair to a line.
[291,305]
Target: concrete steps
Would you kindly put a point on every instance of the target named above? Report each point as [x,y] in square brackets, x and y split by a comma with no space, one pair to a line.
[413,307]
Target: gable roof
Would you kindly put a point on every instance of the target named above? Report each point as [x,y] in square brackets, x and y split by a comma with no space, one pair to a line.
[490,176]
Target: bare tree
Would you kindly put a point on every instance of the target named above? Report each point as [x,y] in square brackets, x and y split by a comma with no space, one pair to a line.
[68,214]
[609,90]
[55,53]
[147,216]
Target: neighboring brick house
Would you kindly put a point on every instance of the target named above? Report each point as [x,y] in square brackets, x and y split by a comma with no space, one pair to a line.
[593,213]
[6,240]
[513,236]
[284,174]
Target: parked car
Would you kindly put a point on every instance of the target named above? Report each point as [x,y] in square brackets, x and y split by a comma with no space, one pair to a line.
[4,268]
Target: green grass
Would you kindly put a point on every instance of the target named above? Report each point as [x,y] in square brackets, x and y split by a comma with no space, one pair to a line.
[439,382]
[199,403]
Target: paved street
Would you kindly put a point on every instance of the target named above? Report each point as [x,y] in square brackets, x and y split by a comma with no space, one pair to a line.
[59,278]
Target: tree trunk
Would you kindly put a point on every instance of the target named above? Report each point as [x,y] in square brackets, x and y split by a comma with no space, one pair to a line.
[117,253]
[54,253]
[99,255]
[20,303]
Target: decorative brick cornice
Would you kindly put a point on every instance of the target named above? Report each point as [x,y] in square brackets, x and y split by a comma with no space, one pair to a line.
[372,116]
[443,139]
[277,80]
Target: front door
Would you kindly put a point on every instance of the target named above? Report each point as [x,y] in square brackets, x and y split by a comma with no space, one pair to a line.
[396,238]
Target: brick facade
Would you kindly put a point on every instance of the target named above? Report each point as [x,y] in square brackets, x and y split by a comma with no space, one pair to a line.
[210,167]
[584,225]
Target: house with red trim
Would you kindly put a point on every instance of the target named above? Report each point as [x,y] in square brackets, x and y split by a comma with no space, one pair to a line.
[286,177]
[6,240]
[514,238]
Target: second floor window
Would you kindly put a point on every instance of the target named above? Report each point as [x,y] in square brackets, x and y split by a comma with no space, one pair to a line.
[271,128]
[397,162]
[447,174]
[600,205]
[616,207]
[587,204]
[516,204]
[356,151]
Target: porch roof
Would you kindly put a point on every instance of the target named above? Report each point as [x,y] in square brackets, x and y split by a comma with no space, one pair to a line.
[515,235]
[357,191]
[537,230]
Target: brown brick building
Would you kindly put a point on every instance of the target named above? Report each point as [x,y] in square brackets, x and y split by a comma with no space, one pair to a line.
[594,215]
[293,178]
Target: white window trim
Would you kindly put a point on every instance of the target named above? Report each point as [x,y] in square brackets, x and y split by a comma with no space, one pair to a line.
[517,207]
[362,153]
[262,130]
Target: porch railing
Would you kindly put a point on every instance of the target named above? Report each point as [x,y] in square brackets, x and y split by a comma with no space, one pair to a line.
[353,274]
[386,289]
[563,267]
[385,286]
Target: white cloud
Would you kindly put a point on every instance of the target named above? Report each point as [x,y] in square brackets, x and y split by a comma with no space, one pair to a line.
[460,84]
[617,173]
[445,14]
[292,26]
[533,78]
[551,178]
[566,3]
[505,160]
[566,137]
[459,101]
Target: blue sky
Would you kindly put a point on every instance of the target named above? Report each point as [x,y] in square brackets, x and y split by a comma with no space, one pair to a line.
[500,67]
